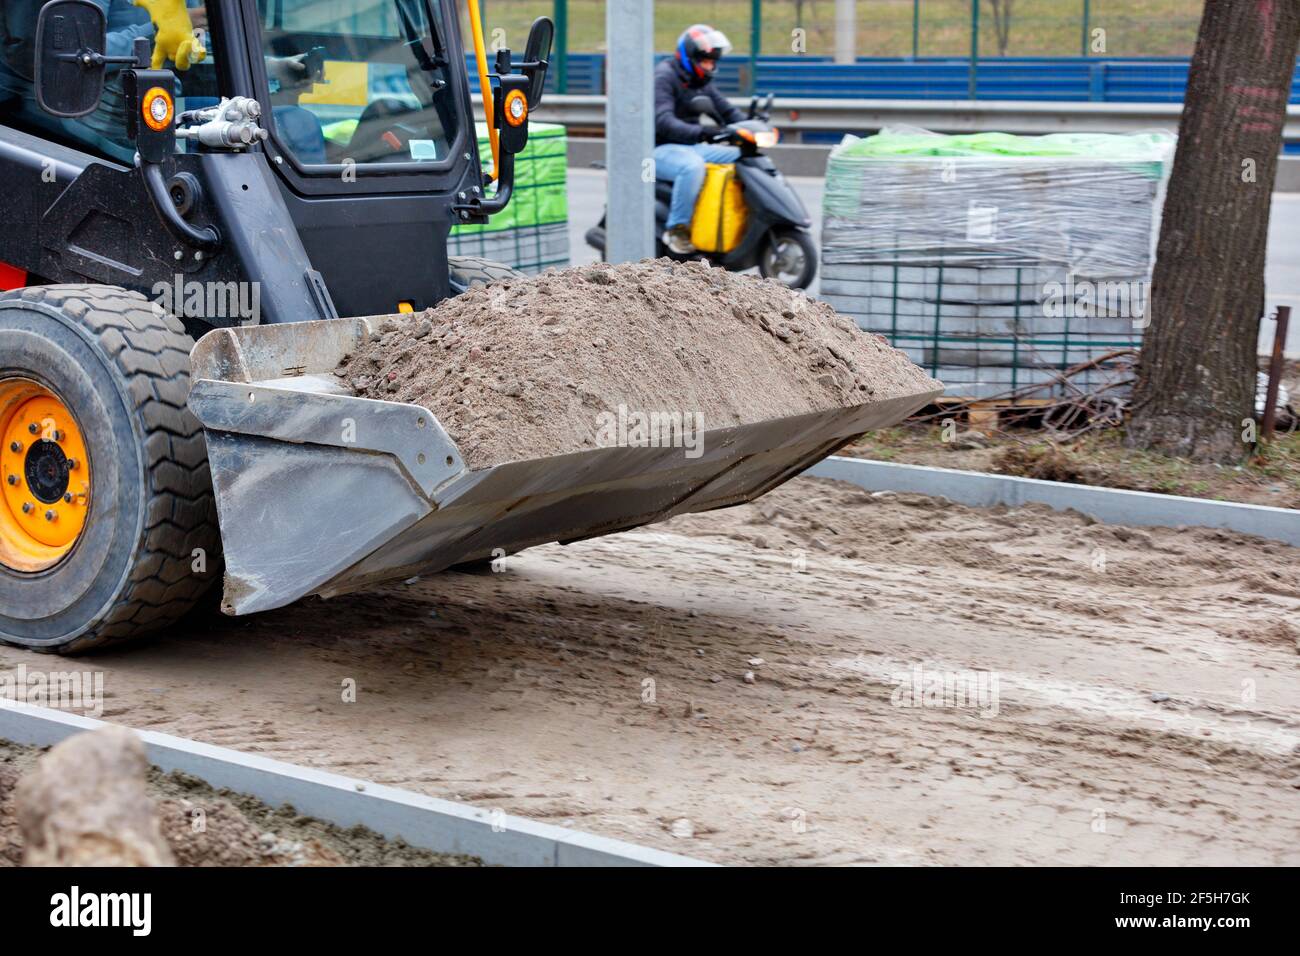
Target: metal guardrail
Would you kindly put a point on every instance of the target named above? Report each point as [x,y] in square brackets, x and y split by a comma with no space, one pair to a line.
[1109,79]
[810,127]
[819,120]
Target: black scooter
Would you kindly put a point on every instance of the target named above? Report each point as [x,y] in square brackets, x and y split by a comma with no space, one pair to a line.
[776,236]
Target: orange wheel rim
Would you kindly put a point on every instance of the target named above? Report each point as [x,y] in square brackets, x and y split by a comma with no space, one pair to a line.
[45,479]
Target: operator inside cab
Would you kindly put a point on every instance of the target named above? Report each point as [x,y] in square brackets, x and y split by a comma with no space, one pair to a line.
[392,102]
[172,23]
[682,143]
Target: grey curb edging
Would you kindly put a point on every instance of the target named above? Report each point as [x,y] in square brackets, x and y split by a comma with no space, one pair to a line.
[427,822]
[1107,505]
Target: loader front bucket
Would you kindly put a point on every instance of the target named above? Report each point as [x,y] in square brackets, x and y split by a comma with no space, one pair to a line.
[321,492]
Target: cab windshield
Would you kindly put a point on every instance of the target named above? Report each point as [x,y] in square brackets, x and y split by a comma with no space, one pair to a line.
[359,81]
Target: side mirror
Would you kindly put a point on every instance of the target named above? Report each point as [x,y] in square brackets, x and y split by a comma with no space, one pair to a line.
[71,36]
[537,53]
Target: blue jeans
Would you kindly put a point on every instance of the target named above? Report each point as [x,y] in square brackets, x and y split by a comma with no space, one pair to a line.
[684,165]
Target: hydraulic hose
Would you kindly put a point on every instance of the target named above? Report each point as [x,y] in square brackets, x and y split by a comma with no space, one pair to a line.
[205,238]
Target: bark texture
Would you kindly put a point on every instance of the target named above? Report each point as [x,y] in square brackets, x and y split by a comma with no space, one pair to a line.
[1196,383]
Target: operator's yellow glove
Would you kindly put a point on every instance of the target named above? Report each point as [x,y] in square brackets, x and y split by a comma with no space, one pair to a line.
[174,37]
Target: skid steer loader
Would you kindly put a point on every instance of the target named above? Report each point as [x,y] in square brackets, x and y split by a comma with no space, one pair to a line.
[304,160]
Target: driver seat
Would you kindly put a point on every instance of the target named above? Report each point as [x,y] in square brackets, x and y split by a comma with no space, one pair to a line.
[368,141]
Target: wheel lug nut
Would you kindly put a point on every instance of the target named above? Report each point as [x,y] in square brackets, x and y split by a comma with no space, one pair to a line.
[15,446]
[58,435]
[33,428]
[13,479]
[68,497]
[72,464]
[27,508]
[50,515]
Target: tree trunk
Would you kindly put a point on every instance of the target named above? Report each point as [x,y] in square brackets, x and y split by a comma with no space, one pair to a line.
[1195,391]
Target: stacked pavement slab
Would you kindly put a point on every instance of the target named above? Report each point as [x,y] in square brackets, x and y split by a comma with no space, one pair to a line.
[996,262]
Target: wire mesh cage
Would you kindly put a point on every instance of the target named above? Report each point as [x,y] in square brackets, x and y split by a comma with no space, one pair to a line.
[996,262]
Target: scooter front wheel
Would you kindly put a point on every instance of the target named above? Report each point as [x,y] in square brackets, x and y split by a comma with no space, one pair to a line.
[789,256]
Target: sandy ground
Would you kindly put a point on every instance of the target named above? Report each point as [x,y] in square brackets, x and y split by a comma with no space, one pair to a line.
[1146,707]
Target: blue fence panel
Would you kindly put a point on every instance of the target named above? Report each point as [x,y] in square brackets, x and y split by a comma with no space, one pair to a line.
[1060,79]
[998,80]
[864,80]
[1139,82]
[586,74]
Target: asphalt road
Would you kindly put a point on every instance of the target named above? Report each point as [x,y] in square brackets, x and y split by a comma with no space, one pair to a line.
[1282,274]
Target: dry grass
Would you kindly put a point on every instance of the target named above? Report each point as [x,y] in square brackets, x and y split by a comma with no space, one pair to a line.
[1038,27]
[1272,477]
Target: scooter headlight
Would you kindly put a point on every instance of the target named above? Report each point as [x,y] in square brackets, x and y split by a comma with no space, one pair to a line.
[766,139]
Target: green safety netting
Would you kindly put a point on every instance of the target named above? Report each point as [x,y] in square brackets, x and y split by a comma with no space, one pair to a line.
[532,232]
[540,197]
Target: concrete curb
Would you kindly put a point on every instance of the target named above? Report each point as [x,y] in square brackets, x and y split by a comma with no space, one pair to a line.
[427,822]
[1107,505]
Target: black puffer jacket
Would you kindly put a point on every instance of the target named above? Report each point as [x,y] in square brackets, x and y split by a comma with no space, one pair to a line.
[675,121]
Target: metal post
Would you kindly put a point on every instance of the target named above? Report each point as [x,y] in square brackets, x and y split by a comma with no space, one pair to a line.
[916,28]
[560,53]
[1275,366]
[629,130]
[755,42]
[1087,17]
[972,86]
[846,31]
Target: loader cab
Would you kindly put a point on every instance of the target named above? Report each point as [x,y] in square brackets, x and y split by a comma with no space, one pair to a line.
[371,135]
[370,149]
[360,82]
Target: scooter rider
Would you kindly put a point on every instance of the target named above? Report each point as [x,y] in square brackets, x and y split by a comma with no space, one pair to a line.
[682,144]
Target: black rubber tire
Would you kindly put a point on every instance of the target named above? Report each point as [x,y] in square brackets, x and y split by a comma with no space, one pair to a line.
[805,242]
[469,271]
[122,366]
